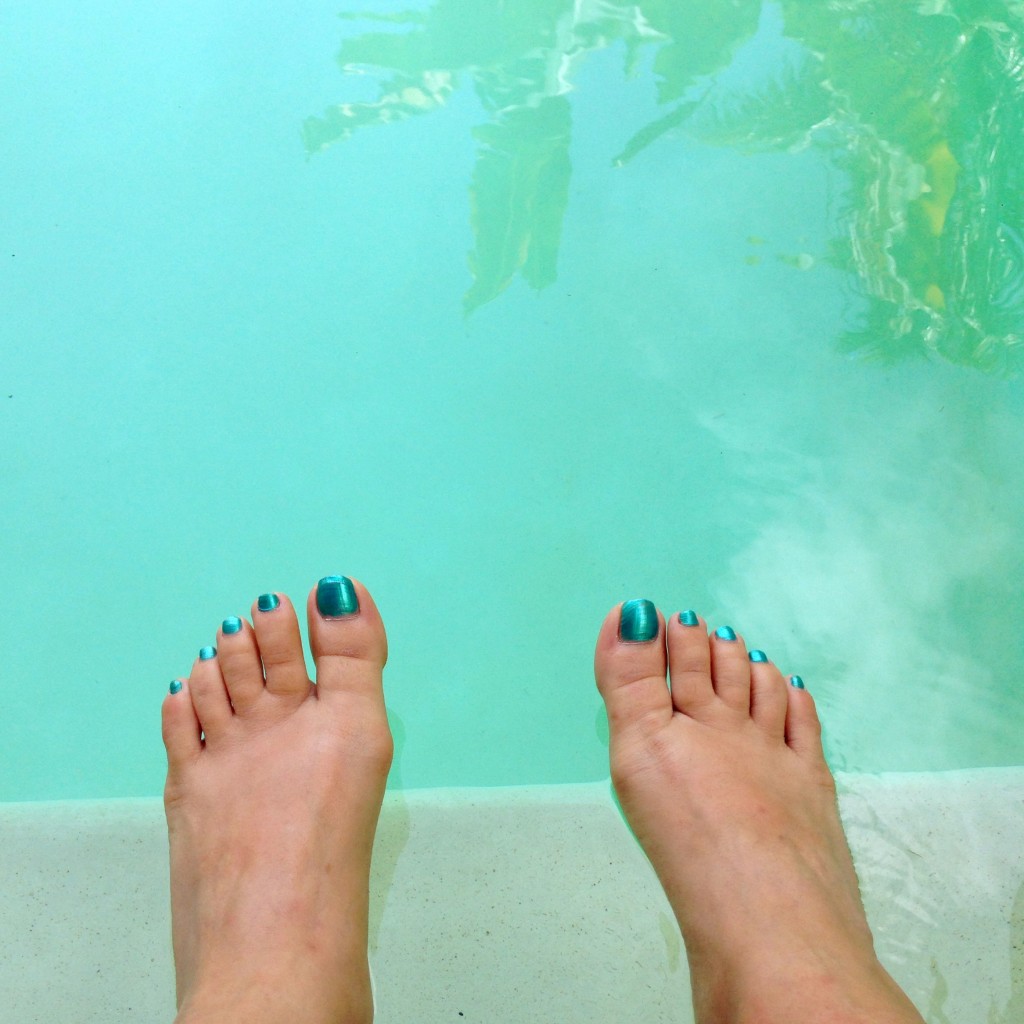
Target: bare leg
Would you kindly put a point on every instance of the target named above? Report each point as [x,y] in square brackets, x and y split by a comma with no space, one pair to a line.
[271,818]
[723,779]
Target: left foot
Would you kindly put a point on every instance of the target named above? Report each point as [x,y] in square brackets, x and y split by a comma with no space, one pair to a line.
[272,817]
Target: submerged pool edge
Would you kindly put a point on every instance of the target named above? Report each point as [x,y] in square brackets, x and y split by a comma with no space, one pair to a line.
[533,897]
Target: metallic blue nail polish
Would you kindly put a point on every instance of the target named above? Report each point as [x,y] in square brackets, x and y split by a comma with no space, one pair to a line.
[725,633]
[231,625]
[206,653]
[638,621]
[267,602]
[335,596]
[758,656]
[797,682]
[689,618]
[175,686]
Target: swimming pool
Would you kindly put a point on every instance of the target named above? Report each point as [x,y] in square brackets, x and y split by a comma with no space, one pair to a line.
[514,311]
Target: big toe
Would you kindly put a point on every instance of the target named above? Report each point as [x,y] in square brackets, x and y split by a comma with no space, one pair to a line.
[346,636]
[350,648]
[629,666]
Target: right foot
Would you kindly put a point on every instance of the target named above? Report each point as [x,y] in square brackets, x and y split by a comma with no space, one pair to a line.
[724,782]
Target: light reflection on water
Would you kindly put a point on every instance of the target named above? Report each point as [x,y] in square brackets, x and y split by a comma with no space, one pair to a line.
[887,546]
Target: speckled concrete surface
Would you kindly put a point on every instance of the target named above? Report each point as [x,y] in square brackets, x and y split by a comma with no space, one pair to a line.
[521,905]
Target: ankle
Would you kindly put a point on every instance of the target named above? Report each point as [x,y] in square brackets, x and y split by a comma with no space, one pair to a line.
[258,1007]
[803,993]
[236,1015]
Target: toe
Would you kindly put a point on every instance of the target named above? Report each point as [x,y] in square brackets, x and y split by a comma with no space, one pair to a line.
[803,727]
[209,695]
[280,646]
[629,666]
[689,663]
[347,638]
[730,669]
[240,663]
[180,727]
[768,698]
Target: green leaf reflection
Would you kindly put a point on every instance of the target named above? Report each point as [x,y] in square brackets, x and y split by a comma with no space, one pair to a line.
[519,194]
[920,106]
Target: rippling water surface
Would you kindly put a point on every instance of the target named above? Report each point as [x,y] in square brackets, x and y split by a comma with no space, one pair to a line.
[513,310]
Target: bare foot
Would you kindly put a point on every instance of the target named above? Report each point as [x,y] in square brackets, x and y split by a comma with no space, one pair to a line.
[272,817]
[723,779]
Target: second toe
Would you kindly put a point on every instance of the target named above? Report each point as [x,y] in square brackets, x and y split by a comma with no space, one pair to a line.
[280,647]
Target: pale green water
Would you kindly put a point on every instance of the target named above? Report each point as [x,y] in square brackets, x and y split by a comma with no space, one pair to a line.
[740,330]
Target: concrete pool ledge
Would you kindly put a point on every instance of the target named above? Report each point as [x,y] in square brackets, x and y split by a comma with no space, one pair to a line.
[522,904]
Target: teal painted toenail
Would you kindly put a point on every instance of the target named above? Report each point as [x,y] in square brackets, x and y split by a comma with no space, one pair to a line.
[267,602]
[175,686]
[231,625]
[689,619]
[797,682]
[758,656]
[207,653]
[725,633]
[335,596]
[638,621]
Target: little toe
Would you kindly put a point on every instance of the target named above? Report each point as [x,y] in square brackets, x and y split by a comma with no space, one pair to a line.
[239,659]
[730,669]
[347,638]
[803,727]
[209,695]
[768,698]
[180,727]
[689,663]
[629,667]
[280,646]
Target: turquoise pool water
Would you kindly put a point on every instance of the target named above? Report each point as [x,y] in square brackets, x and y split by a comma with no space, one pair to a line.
[513,311]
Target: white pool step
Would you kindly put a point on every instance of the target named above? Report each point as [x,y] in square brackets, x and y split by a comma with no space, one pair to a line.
[521,905]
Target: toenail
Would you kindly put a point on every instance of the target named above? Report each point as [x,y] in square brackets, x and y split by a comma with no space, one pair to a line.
[689,618]
[758,656]
[335,596]
[725,633]
[231,625]
[638,621]
[175,685]
[797,682]
[267,602]
[206,653]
